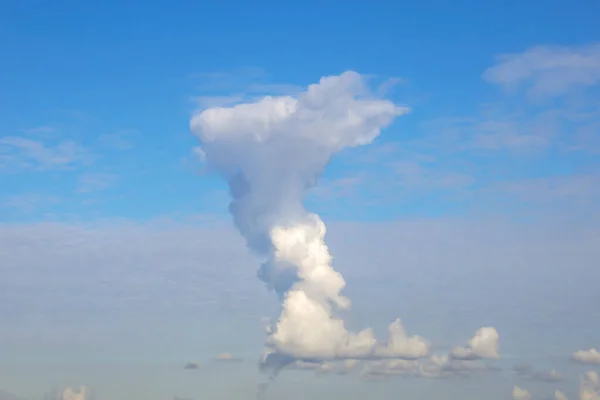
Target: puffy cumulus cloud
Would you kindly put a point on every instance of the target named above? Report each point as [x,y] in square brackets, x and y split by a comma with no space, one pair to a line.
[591,356]
[271,151]
[462,361]
[228,357]
[400,345]
[81,393]
[589,386]
[485,344]
[521,394]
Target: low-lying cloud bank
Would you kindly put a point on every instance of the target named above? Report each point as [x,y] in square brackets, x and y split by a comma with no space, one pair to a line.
[589,389]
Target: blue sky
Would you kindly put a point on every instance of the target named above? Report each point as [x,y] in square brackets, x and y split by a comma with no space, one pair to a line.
[108,90]
[116,247]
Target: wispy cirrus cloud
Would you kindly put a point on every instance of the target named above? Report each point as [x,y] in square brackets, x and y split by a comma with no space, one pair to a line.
[18,153]
[547,71]
[96,181]
[29,202]
[227,88]
[414,175]
[552,104]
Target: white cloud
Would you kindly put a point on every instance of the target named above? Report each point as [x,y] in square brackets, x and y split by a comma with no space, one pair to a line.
[591,356]
[434,367]
[589,386]
[523,127]
[81,393]
[483,345]
[521,394]
[558,395]
[548,70]
[271,151]
[400,345]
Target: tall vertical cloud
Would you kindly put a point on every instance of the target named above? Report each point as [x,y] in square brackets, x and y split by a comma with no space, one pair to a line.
[271,152]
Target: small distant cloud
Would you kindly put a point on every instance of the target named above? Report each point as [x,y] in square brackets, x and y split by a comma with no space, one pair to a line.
[591,356]
[483,345]
[520,394]
[69,393]
[558,395]
[228,357]
[191,365]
